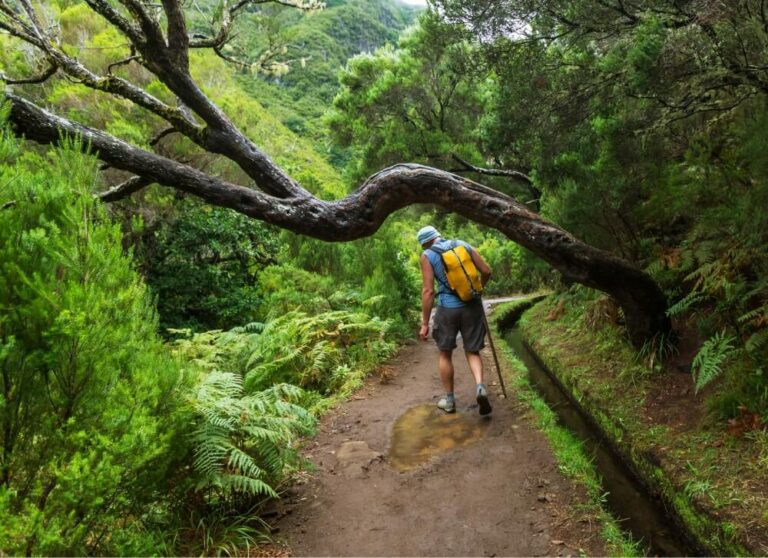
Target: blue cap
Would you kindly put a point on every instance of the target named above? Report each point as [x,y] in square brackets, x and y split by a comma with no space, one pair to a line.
[426,234]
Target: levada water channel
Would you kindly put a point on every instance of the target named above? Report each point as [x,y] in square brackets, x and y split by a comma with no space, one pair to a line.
[643,515]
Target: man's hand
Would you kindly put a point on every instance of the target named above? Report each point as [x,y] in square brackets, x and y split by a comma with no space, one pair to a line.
[427,295]
[424,332]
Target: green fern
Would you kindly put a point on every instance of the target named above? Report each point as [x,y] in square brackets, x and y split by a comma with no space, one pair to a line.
[708,361]
[328,353]
[244,444]
[309,350]
[655,268]
[752,314]
[253,327]
[756,319]
[685,303]
[757,341]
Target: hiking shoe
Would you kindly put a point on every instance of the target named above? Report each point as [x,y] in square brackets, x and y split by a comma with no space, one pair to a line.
[482,401]
[447,405]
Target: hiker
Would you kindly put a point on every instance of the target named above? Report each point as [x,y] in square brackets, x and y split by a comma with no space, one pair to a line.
[453,314]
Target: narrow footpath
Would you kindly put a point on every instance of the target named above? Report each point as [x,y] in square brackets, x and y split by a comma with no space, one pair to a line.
[395,476]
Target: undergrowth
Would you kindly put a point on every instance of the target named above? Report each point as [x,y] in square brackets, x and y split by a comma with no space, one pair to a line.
[573,460]
[706,468]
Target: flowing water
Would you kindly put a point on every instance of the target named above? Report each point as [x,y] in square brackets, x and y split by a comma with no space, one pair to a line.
[643,516]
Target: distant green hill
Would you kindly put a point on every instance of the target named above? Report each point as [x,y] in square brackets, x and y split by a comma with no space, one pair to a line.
[330,37]
[318,46]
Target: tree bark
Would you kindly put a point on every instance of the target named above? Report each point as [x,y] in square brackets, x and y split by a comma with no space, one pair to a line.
[362,212]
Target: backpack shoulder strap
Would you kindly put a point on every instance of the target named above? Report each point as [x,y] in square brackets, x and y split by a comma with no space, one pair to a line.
[436,250]
[440,251]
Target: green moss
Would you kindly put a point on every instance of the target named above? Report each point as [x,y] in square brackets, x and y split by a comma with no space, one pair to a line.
[602,371]
[573,461]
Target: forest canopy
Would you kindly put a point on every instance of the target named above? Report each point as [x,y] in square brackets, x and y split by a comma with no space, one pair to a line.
[172,345]
[161,44]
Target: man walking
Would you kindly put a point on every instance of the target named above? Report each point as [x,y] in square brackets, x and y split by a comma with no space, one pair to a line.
[452,316]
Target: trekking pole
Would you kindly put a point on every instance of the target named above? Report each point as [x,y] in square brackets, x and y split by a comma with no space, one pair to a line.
[493,350]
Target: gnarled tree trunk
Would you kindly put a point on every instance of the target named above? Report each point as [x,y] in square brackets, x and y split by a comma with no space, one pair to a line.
[362,212]
[161,46]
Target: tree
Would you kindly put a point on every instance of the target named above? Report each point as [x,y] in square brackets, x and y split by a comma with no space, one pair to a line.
[687,57]
[161,44]
[423,101]
[91,422]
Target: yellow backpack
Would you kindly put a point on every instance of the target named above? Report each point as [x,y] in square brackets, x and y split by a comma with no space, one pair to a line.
[463,275]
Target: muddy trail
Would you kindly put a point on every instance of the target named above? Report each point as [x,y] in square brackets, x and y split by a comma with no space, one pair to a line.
[395,476]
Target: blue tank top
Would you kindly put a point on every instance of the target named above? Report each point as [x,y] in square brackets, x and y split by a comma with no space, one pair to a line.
[445,295]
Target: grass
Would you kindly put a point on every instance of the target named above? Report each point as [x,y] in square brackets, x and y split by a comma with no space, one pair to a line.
[573,460]
[701,473]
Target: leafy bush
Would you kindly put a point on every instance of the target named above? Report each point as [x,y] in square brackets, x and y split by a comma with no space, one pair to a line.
[244,445]
[88,412]
[328,352]
[203,264]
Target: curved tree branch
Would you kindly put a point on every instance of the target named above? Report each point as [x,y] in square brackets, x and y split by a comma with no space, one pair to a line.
[132,32]
[363,212]
[39,78]
[492,172]
[125,189]
[534,192]
[152,34]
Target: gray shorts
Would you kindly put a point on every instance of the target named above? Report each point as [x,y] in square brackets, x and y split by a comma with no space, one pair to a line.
[467,319]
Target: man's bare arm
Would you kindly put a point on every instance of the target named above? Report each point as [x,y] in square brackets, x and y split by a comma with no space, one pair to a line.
[427,294]
[482,266]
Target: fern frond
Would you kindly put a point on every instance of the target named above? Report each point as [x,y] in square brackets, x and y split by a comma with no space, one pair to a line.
[708,361]
[243,443]
[762,311]
[253,327]
[757,341]
[248,486]
[654,268]
[685,303]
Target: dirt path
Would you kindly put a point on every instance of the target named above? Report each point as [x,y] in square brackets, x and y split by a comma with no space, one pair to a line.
[495,489]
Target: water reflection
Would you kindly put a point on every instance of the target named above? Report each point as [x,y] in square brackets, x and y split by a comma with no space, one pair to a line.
[425,431]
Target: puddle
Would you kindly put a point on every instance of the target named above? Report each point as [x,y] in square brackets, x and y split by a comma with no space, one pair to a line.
[639,513]
[425,431]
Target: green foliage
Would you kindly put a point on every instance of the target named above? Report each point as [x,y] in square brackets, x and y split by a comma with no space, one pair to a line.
[708,361]
[418,102]
[515,269]
[220,534]
[685,303]
[317,46]
[244,445]
[328,38]
[88,411]
[203,265]
[328,352]
[377,275]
